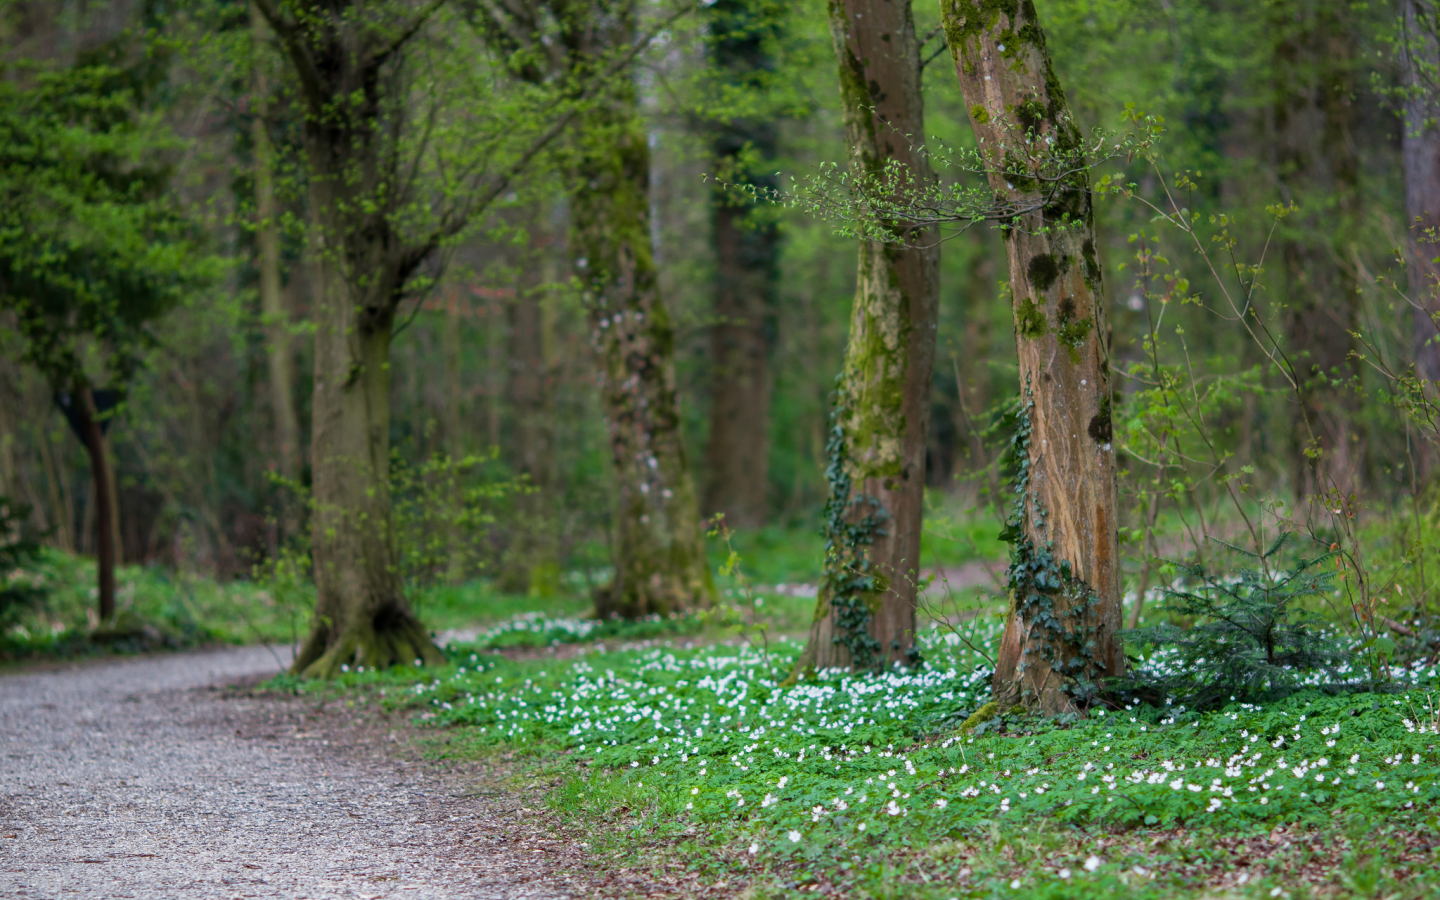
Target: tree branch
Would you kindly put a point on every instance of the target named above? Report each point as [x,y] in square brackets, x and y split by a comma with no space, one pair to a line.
[408,33]
[297,50]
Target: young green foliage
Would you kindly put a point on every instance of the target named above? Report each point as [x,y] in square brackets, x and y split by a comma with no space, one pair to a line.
[93,247]
[1250,636]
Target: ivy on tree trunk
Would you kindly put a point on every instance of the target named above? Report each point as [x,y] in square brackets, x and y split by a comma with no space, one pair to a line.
[1060,636]
[865,614]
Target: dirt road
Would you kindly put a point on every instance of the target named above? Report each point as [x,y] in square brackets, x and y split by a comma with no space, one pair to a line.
[141,778]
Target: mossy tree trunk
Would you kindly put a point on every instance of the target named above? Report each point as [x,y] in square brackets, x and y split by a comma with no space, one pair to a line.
[746,239]
[659,557]
[347,66]
[658,554]
[361,617]
[1060,637]
[865,614]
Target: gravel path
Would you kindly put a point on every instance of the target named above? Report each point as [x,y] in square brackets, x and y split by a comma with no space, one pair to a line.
[139,778]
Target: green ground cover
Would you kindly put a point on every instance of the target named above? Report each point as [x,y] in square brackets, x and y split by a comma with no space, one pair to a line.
[908,784]
[159,608]
[673,746]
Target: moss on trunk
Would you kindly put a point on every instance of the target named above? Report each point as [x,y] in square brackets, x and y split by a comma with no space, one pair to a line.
[1060,638]
[865,614]
[361,617]
[659,559]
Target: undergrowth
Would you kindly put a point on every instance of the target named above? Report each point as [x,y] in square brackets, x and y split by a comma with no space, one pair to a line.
[697,757]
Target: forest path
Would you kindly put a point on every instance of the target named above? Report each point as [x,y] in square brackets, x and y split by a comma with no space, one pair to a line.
[143,778]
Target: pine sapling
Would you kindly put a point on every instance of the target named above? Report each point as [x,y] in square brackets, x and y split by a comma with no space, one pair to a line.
[1249,635]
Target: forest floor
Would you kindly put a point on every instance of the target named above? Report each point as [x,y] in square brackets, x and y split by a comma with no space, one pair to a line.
[166,776]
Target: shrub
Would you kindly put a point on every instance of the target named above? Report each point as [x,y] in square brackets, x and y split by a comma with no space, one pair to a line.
[21,587]
[1249,638]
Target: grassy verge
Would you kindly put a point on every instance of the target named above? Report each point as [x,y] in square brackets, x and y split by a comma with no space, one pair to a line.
[694,765]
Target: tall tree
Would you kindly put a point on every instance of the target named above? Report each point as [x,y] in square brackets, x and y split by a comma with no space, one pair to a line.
[1319,170]
[659,558]
[95,249]
[1060,636]
[865,614]
[747,266]
[532,564]
[279,354]
[1420,55]
[385,194]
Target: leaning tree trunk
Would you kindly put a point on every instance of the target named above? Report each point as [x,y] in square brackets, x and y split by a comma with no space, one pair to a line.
[361,617]
[660,565]
[1421,159]
[746,238]
[865,614]
[1060,637]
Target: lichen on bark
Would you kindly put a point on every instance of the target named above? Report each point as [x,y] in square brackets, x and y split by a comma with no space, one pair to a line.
[659,558]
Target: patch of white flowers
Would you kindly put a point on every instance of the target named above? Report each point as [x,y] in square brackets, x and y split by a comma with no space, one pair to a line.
[842,753]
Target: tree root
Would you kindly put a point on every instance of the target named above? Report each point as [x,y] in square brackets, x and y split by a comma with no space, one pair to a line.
[393,637]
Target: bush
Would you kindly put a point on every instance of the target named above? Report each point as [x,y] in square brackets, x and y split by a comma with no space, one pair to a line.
[21,587]
[1249,638]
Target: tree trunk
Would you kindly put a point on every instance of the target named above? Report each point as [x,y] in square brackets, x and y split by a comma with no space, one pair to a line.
[660,565]
[107,530]
[1060,637]
[737,454]
[453,429]
[1319,171]
[1421,160]
[532,564]
[361,617]
[272,302]
[347,60]
[747,269]
[865,614]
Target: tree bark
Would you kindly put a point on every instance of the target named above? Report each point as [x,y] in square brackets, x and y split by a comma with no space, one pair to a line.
[660,565]
[737,453]
[865,614]
[532,563]
[361,617]
[272,301]
[747,270]
[107,531]
[351,93]
[1421,161]
[1319,170]
[1060,636]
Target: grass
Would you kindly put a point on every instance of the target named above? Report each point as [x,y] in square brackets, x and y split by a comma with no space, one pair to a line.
[155,609]
[163,609]
[692,759]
